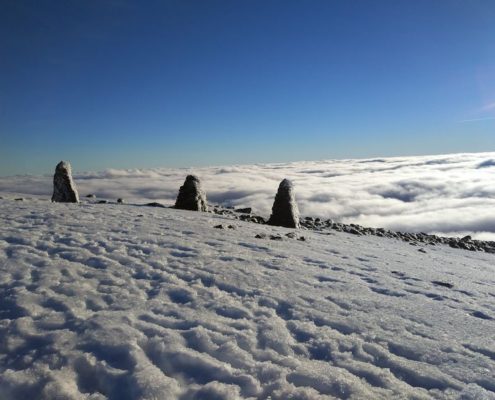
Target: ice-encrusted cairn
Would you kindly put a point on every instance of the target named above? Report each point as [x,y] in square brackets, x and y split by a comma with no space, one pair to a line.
[191,196]
[284,211]
[64,189]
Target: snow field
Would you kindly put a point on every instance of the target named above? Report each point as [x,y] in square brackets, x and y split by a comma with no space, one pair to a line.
[127,302]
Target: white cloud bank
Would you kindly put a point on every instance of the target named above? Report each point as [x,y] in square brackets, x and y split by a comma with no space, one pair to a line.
[447,194]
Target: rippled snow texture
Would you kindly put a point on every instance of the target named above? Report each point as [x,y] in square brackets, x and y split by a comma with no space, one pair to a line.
[125,302]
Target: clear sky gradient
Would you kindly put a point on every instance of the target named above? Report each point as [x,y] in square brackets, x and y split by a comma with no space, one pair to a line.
[129,84]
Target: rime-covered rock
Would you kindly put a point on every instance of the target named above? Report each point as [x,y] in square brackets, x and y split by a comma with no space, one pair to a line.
[191,196]
[64,189]
[284,211]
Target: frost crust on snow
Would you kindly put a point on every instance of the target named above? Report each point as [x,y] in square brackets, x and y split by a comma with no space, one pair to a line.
[284,211]
[64,189]
[191,196]
[127,302]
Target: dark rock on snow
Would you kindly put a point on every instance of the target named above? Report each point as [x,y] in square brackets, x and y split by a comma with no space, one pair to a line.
[414,239]
[246,210]
[221,226]
[284,211]
[155,204]
[191,196]
[64,189]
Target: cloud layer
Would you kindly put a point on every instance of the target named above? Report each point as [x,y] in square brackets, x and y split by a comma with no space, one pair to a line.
[447,194]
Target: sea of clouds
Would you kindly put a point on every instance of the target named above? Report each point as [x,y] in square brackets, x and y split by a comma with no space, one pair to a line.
[447,194]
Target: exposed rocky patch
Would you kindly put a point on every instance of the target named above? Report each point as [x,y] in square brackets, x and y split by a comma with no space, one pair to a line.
[421,238]
[230,212]
[327,225]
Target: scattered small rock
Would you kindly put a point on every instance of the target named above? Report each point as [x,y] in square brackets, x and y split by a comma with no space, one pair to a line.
[219,226]
[415,239]
[90,196]
[261,236]
[422,250]
[120,200]
[275,237]
[19,199]
[232,227]
[102,202]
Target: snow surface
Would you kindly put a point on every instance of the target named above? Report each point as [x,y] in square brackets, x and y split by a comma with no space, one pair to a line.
[451,195]
[127,302]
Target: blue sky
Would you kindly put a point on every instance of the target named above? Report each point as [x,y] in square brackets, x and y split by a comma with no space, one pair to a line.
[128,84]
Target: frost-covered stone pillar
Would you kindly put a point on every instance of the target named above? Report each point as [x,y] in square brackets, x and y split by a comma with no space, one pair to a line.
[284,211]
[64,189]
[191,196]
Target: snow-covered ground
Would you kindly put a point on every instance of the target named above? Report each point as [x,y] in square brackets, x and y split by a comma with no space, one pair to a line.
[127,302]
[451,195]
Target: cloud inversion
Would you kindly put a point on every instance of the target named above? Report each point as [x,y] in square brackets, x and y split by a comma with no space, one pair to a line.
[447,194]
